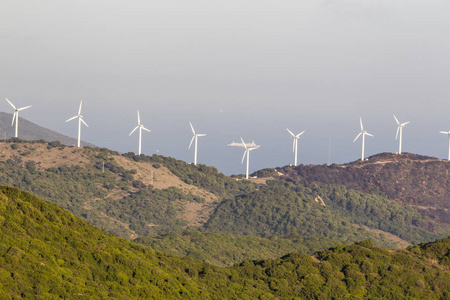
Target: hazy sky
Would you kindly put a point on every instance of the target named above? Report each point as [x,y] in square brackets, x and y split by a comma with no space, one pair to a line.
[233,68]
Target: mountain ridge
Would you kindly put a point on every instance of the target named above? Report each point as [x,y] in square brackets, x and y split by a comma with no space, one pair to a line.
[415,180]
[30,131]
[148,196]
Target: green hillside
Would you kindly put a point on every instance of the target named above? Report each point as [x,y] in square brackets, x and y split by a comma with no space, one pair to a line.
[280,208]
[222,249]
[48,253]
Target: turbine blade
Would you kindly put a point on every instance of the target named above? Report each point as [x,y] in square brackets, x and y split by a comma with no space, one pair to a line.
[79,110]
[82,121]
[14,117]
[360,121]
[298,135]
[368,134]
[293,145]
[192,140]
[396,135]
[192,127]
[245,146]
[71,118]
[146,129]
[403,124]
[243,157]
[444,132]
[133,130]
[398,123]
[201,134]
[357,137]
[139,118]
[290,132]
[10,103]
[22,108]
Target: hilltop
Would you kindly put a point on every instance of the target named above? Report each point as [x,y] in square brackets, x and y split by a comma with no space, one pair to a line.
[30,131]
[46,252]
[418,181]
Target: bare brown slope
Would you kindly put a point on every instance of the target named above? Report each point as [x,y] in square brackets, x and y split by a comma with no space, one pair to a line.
[419,181]
[45,157]
[161,178]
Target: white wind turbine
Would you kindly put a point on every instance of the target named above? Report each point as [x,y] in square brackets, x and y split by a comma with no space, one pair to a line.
[448,133]
[247,152]
[363,133]
[140,126]
[80,120]
[399,129]
[295,144]
[16,116]
[196,135]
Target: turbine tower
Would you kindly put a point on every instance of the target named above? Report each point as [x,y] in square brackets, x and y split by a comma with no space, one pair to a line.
[448,133]
[80,120]
[295,144]
[16,116]
[140,126]
[196,135]
[399,129]
[363,133]
[247,152]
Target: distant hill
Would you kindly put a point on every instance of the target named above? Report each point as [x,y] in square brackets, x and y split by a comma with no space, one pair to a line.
[419,181]
[48,253]
[29,131]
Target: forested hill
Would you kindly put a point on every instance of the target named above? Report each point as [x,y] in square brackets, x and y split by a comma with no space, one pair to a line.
[30,131]
[418,181]
[46,252]
[142,196]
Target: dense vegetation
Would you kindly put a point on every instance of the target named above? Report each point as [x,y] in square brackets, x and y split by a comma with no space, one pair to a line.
[284,208]
[226,249]
[46,252]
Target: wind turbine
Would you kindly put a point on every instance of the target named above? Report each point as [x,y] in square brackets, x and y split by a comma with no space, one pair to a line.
[16,116]
[295,144]
[80,120]
[448,133]
[363,133]
[247,152]
[196,135]
[399,129]
[140,126]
